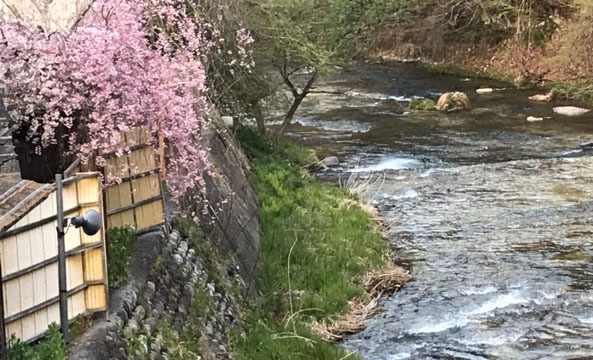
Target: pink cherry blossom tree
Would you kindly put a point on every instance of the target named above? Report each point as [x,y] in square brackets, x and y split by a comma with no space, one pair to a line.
[127,64]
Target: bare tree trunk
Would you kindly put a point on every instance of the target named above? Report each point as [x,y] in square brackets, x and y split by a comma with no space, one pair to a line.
[298,97]
[290,114]
[259,118]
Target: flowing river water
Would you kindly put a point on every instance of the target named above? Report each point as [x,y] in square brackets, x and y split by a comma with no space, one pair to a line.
[492,215]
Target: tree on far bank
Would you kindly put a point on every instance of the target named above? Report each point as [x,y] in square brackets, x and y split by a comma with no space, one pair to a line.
[301,40]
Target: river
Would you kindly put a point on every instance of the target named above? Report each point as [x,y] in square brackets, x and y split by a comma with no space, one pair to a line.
[491,214]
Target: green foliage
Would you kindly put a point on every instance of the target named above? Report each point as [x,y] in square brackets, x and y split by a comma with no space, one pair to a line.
[574,91]
[360,19]
[210,252]
[52,348]
[326,239]
[293,341]
[19,350]
[287,33]
[464,72]
[79,326]
[185,344]
[422,104]
[257,147]
[120,242]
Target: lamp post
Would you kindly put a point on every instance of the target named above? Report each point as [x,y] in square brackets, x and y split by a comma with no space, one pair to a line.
[63,286]
[90,223]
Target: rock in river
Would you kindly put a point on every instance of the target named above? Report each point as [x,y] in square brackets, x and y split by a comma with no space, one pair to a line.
[485,90]
[542,97]
[570,110]
[534,119]
[453,101]
[331,161]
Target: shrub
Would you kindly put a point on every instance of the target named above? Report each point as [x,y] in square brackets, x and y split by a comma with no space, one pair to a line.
[52,347]
[120,242]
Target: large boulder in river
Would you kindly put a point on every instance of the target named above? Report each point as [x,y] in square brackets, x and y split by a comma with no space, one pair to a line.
[570,110]
[453,101]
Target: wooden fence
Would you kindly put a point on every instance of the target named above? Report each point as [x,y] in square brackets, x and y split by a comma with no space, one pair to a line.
[137,200]
[29,258]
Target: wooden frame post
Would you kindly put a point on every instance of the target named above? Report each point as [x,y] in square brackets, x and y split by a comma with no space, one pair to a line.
[63,285]
[3,348]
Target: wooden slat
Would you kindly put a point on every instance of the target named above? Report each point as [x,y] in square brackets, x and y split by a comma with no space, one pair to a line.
[39,286]
[28,325]
[10,261]
[149,215]
[72,238]
[137,136]
[93,265]
[52,288]
[74,271]
[12,293]
[70,196]
[26,291]
[88,191]
[95,298]
[146,187]
[117,167]
[142,160]
[125,218]
[76,305]
[23,251]
[41,321]
[14,328]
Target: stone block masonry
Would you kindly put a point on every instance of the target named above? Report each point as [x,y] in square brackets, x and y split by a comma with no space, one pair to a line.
[166,273]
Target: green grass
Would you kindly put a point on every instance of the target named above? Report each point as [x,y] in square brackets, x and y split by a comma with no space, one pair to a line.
[323,234]
[572,91]
[464,72]
[120,243]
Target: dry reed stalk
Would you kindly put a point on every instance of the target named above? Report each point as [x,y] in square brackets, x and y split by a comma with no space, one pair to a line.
[378,284]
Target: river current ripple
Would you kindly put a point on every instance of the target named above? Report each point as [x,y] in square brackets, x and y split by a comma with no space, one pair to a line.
[492,215]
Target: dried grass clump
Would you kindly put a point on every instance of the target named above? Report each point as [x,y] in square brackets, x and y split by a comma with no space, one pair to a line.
[385,281]
[378,284]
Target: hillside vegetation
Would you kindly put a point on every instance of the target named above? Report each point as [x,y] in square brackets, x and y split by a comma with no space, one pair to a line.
[530,40]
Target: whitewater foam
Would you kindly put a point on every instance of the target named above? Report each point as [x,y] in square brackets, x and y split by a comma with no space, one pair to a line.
[500,302]
[389,164]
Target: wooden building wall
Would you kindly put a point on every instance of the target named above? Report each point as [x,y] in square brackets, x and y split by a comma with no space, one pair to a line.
[29,256]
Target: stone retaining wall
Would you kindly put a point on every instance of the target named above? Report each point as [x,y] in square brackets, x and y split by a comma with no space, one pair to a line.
[165,274]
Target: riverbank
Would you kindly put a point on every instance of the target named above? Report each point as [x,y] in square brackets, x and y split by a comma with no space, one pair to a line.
[542,44]
[488,210]
[317,245]
[474,68]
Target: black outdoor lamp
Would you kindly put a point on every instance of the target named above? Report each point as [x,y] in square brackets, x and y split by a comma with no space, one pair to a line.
[90,222]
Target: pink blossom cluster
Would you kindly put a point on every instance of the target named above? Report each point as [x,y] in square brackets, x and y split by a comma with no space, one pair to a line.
[128,64]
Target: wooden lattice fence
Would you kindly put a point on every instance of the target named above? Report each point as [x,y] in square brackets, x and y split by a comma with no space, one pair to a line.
[137,201]
[29,256]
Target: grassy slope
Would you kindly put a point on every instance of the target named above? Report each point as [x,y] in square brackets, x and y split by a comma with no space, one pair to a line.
[330,241]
